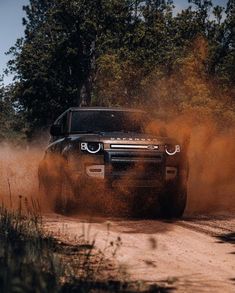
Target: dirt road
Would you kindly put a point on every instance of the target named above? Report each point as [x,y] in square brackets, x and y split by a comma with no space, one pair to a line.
[192,255]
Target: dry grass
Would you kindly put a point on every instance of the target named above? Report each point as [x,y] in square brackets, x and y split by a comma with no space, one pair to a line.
[33,261]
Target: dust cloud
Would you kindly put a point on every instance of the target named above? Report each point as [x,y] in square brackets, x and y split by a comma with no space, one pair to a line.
[18,174]
[211,185]
[211,155]
[212,171]
[195,105]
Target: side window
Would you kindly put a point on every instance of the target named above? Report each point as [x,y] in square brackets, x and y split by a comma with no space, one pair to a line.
[63,122]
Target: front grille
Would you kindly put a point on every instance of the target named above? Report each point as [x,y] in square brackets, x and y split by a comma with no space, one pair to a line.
[135,165]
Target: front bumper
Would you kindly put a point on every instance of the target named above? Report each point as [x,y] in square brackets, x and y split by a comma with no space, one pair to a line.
[138,169]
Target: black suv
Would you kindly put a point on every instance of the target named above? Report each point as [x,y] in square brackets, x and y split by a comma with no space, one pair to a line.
[112,146]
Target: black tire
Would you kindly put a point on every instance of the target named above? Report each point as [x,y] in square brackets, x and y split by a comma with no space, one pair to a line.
[49,192]
[173,201]
[144,203]
[64,200]
[56,193]
[59,201]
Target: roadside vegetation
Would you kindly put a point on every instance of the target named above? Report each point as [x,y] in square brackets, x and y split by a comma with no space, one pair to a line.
[32,260]
[27,262]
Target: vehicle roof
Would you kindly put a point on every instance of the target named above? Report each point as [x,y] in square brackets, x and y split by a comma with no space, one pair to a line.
[105,109]
[77,109]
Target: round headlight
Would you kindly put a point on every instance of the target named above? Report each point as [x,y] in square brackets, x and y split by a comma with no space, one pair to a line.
[93,147]
[171,150]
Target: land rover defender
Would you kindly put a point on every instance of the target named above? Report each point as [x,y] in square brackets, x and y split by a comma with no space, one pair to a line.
[112,146]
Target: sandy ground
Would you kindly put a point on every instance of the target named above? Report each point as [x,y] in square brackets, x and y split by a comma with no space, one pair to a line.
[192,255]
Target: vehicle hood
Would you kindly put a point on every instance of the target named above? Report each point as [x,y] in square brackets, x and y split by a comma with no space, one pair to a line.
[120,137]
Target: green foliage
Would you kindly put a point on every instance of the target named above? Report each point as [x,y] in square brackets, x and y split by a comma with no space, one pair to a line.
[12,124]
[117,52]
[27,263]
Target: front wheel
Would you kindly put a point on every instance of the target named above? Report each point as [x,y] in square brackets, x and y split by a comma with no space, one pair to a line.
[64,199]
[173,201]
[56,194]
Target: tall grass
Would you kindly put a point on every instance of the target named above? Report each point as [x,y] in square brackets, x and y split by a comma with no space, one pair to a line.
[33,261]
[27,261]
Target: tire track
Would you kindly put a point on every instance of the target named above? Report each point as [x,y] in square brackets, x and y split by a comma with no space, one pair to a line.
[211,227]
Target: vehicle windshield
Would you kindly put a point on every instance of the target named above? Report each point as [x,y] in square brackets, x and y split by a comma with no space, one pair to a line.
[108,121]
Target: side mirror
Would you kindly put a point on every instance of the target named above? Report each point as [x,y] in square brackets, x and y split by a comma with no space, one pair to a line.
[56,130]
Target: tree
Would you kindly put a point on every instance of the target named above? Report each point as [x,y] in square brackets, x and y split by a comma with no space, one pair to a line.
[114,53]
[55,62]
[12,124]
[227,62]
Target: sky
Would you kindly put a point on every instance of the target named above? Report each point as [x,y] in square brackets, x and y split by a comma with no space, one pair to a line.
[11,28]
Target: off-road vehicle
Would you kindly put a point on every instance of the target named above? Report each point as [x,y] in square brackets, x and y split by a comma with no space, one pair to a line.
[112,146]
